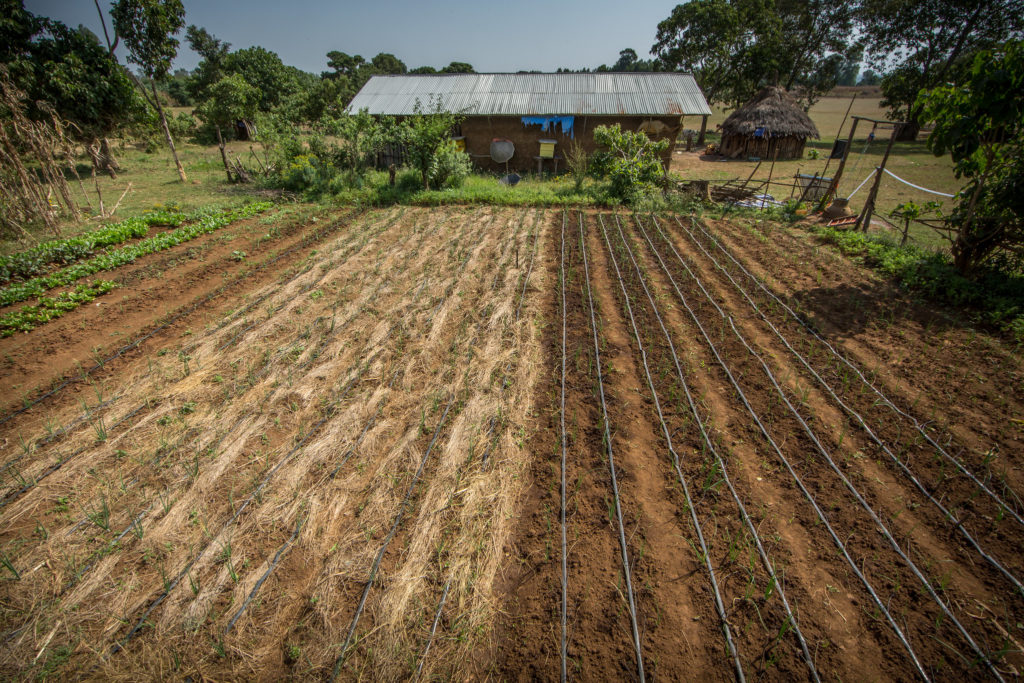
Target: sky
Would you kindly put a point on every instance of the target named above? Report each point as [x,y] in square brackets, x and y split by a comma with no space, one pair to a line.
[492,36]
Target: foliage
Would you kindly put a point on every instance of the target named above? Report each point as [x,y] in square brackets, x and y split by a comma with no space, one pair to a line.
[631,161]
[994,293]
[228,100]
[735,47]
[109,260]
[211,67]
[30,317]
[921,44]
[450,166]
[32,261]
[980,123]
[425,135]
[147,28]
[578,162]
[76,77]
[911,211]
[629,61]
[361,136]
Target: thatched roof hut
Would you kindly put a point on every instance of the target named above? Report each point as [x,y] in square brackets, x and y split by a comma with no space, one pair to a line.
[770,122]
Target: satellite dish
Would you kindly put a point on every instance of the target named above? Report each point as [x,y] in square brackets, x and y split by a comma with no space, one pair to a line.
[502,150]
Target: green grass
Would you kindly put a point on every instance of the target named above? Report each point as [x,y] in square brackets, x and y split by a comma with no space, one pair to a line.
[477,189]
[909,160]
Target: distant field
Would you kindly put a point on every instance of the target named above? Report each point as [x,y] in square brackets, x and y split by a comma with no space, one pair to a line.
[909,160]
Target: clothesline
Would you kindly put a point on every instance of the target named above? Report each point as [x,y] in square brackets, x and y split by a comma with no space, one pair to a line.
[905,182]
[917,187]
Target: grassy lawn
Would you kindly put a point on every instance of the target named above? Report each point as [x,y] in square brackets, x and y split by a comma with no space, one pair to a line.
[909,160]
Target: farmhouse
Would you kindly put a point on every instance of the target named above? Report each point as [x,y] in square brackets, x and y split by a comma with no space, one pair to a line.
[771,123]
[541,115]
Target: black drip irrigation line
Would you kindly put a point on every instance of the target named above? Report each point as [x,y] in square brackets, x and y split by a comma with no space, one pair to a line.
[14,495]
[344,459]
[273,564]
[61,431]
[796,478]
[867,508]
[751,528]
[381,229]
[719,606]
[305,242]
[117,647]
[946,513]
[882,397]
[563,618]
[611,464]
[433,630]
[387,541]
[487,437]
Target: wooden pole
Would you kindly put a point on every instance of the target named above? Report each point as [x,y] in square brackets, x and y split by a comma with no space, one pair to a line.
[771,169]
[828,161]
[869,206]
[834,185]
[703,129]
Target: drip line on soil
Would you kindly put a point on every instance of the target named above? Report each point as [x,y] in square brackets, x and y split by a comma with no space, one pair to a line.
[751,528]
[884,399]
[946,513]
[611,464]
[387,540]
[719,606]
[778,451]
[561,513]
[369,424]
[241,508]
[867,508]
[483,461]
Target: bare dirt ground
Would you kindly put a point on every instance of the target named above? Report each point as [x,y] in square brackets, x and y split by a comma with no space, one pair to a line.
[502,444]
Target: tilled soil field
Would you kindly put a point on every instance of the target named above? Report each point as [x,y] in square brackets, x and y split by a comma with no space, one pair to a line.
[504,444]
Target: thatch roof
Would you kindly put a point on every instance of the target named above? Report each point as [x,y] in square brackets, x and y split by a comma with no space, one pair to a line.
[776,111]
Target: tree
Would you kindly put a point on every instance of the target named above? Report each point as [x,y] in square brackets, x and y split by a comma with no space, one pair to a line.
[869,77]
[425,134]
[387,63]
[922,44]
[229,100]
[735,47]
[423,70]
[458,68]
[211,68]
[147,28]
[76,78]
[980,124]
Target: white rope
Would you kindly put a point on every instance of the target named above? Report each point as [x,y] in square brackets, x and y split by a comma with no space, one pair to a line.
[870,176]
[916,187]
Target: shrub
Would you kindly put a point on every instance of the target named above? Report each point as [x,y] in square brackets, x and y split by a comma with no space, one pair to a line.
[631,161]
[450,167]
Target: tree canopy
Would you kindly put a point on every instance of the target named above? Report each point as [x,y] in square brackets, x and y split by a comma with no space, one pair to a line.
[921,44]
[735,47]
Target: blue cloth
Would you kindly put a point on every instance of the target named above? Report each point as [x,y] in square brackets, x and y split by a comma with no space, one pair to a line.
[547,123]
[759,132]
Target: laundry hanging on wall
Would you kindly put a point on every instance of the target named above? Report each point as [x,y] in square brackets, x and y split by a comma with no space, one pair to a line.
[548,123]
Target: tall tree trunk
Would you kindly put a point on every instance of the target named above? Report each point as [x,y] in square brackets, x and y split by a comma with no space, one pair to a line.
[109,160]
[167,134]
[223,154]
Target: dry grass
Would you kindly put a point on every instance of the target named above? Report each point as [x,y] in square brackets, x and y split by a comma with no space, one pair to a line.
[312,409]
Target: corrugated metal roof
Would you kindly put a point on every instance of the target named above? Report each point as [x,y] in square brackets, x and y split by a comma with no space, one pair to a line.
[628,94]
